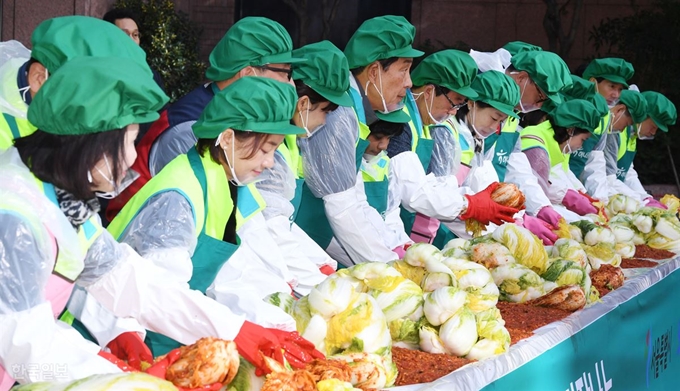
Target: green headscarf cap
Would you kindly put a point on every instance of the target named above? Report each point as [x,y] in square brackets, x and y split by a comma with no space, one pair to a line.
[660,109]
[58,40]
[256,104]
[325,71]
[546,69]
[381,38]
[96,94]
[577,113]
[616,70]
[516,47]
[636,105]
[450,68]
[498,90]
[252,41]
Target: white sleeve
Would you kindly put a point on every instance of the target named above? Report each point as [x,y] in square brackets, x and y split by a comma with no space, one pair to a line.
[439,198]
[595,176]
[519,172]
[615,186]
[135,287]
[633,182]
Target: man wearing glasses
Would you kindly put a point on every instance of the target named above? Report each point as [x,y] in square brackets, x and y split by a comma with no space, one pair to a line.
[253,46]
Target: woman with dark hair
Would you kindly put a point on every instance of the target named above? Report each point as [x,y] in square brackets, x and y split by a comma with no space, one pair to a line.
[549,145]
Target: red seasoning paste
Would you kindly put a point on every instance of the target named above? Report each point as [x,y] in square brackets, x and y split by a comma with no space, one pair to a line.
[644,251]
[634,263]
[522,319]
[421,367]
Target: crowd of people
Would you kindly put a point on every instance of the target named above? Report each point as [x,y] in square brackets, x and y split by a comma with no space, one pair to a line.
[285,166]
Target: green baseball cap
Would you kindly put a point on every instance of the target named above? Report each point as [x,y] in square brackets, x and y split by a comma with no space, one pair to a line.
[516,47]
[636,105]
[577,113]
[252,41]
[661,110]
[58,40]
[546,69]
[325,71]
[498,90]
[616,70]
[96,94]
[450,68]
[584,89]
[381,38]
[256,104]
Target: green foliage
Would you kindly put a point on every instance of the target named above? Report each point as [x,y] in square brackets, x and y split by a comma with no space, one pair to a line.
[649,40]
[170,40]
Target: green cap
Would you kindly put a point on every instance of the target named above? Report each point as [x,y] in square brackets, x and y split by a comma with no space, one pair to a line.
[252,41]
[381,38]
[584,89]
[577,113]
[636,105]
[96,94]
[58,40]
[546,69]
[256,104]
[450,68]
[325,71]
[397,116]
[616,70]
[516,47]
[498,90]
[661,110]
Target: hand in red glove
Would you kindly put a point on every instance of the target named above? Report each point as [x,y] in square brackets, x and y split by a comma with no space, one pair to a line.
[483,209]
[298,351]
[160,368]
[327,270]
[130,347]
[578,203]
[541,229]
[591,199]
[651,202]
[253,341]
[550,216]
[122,365]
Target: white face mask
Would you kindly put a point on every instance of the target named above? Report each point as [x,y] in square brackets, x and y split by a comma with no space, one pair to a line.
[305,122]
[567,147]
[232,168]
[611,124]
[639,137]
[429,110]
[527,108]
[130,176]
[610,105]
[380,92]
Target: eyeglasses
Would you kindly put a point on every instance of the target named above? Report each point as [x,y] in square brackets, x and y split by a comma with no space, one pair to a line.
[541,95]
[288,72]
[453,105]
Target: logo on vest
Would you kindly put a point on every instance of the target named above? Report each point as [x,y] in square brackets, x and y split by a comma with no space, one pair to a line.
[620,172]
[581,154]
[502,157]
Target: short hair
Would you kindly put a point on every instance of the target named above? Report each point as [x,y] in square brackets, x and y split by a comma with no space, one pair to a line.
[462,112]
[255,140]
[382,128]
[560,132]
[121,13]
[303,89]
[385,64]
[64,161]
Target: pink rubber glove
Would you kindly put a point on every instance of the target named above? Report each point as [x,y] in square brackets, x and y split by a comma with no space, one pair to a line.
[541,229]
[652,203]
[578,203]
[550,216]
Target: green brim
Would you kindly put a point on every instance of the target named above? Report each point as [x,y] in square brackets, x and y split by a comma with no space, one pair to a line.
[339,98]
[398,116]
[283,129]
[407,52]
[467,92]
[661,125]
[555,98]
[280,58]
[502,107]
[616,79]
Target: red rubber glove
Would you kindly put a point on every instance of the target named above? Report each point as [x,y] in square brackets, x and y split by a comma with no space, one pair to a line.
[483,209]
[253,341]
[298,351]
[327,270]
[541,229]
[578,203]
[591,199]
[651,202]
[122,365]
[160,368]
[550,216]
[130,347]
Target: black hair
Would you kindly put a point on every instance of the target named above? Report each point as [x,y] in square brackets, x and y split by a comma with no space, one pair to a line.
[385,64]
[120,13]
[303,89]
[463,111]
[255,140]
[382,128]
[580,69]
[438,90]
[64,161]
[532,118]
[560,132]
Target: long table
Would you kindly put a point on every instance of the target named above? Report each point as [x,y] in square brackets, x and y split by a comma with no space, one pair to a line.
[628,341]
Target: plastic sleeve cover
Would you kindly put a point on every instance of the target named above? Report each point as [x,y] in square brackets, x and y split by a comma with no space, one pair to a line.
[611,153]
[328,155]
[173,142]
[634,183]
[519,172]
[595,176]
[443,162]
[164,232]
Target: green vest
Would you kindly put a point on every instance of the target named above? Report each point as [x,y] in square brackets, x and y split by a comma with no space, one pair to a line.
[627,149]
[12,128]
[542,136]
[376,184]
[503,144]
[578,159]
